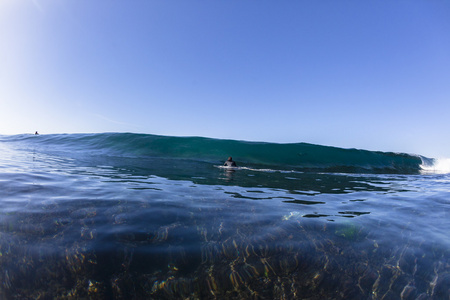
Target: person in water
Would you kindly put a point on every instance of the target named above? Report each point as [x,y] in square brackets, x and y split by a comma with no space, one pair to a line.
[36,133]
[230,162]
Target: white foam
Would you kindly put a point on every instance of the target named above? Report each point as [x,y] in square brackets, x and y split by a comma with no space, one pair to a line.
[439,166]
[256,170]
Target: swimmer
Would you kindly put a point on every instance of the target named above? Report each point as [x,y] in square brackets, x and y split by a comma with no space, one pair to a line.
[36,133]
[230,162]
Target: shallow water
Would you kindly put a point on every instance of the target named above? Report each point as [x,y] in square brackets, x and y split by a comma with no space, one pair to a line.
[78,224]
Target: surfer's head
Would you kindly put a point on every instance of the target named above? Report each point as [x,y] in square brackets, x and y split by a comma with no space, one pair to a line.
[230,158]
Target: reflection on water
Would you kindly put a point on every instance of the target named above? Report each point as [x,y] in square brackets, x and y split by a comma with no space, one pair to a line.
[125,228]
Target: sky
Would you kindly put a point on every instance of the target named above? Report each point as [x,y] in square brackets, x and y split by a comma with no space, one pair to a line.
[369,74]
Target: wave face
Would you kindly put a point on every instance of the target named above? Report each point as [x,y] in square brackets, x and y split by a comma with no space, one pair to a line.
[302,157]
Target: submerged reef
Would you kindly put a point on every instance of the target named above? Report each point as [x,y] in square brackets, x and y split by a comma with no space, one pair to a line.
[298,258]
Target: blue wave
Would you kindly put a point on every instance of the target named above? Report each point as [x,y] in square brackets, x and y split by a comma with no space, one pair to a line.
[293,156]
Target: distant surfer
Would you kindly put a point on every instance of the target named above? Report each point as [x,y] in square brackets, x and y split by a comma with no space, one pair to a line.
[36,133]
[230,162]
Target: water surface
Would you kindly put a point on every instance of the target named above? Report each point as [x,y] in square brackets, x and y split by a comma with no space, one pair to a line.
[138,216]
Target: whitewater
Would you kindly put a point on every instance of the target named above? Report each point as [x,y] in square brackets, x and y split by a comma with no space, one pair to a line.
[139,216]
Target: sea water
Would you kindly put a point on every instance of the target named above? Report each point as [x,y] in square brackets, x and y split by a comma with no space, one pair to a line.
[133,216]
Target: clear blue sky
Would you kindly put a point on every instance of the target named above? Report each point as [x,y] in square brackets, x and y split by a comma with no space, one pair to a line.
[354,74]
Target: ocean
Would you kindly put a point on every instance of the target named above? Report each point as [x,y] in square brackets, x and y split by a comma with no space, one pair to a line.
[137,216]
